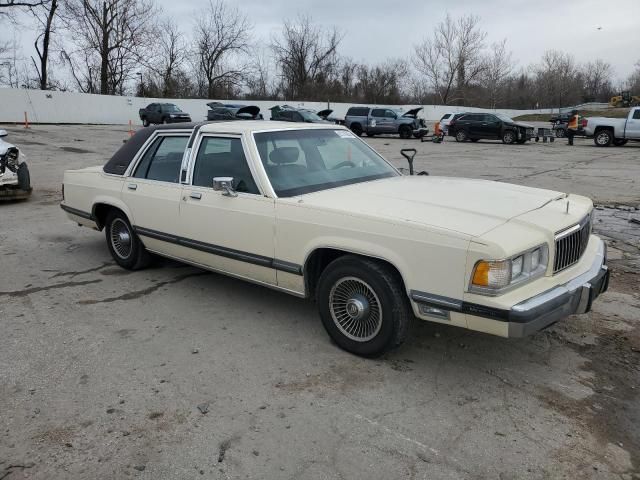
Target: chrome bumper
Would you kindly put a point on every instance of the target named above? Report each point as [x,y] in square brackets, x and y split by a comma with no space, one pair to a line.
[574,297]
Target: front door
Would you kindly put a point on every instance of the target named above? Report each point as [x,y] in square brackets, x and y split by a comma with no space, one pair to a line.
[633,126]
[152,193]
[232,234]
[491,126]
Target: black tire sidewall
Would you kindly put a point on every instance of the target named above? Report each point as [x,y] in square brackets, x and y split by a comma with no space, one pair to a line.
[389,331]
[464,136]
[504,137]
[405,132]
[357,129]
[137,249]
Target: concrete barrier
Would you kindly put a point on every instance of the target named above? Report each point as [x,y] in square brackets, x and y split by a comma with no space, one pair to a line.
[83,108]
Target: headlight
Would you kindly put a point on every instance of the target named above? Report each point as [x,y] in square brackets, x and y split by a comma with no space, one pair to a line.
[493,277]
[172,115]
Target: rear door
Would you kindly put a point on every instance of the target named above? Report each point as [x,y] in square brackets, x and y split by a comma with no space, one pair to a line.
[152,191]
[376,121]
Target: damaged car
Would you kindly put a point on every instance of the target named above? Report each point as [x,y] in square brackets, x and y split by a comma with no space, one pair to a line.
[15,180]
[219,111]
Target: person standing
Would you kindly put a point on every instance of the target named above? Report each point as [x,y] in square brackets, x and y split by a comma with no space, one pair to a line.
[573,126]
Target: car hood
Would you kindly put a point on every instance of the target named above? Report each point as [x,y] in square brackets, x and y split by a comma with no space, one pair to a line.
[524,125]
[324,113]
[466,206]
[413,113]
[252,110]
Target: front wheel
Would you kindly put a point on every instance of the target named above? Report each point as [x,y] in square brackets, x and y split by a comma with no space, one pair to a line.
[560,133]
[405,132]
[356,128]
[508,137]
[603,138]
[124,245]
[363,305]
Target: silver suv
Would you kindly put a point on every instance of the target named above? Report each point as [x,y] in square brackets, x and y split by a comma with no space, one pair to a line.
[378,120]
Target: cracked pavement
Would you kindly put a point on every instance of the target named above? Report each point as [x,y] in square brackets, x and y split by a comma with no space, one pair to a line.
[102,370]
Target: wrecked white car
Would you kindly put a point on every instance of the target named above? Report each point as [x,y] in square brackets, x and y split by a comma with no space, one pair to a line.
[15,181]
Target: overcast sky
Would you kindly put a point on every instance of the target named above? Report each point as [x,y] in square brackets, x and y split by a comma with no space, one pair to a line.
[378,29]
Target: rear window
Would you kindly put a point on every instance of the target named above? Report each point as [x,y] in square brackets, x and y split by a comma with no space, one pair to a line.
[358,111]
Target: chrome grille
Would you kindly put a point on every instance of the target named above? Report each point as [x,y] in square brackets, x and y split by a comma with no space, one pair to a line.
[571,244]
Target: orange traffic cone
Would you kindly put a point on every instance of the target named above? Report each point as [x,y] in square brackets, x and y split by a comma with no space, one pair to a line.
[26,120]
[131,132]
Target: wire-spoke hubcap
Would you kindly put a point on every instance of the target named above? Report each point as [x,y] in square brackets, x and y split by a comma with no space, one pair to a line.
[121,238]
[355,309]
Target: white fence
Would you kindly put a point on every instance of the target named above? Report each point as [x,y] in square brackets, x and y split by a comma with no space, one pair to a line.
[68,107]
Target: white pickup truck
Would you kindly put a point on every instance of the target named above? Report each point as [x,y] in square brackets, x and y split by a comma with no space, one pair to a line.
[617,131]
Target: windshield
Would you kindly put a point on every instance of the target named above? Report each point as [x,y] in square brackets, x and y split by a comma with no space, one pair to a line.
[168,107]
[304,161]
[310,116]
[504,117]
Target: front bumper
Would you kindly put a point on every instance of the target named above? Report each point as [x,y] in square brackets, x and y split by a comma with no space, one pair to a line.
[179,120]
[574,297]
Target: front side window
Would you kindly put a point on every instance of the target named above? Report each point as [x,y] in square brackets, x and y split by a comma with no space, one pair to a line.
[162,159]
[304,161]
[389,114]
[223,157]
[636,114]
[377,112]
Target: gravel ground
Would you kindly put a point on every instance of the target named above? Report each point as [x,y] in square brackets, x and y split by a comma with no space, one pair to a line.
[173,372]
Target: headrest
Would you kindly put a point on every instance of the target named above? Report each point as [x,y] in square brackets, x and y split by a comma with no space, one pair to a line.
[284,155]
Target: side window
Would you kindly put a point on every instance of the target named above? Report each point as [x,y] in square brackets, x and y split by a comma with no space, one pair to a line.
[296,117]
[162,159]
[489,118]
[389,114]
[223,157]
[636,114]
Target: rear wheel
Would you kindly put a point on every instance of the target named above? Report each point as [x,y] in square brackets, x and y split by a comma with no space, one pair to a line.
[125,246]
[357,129]
[461,136]
[603,138]
[363,305]
[508,137]
[405,131]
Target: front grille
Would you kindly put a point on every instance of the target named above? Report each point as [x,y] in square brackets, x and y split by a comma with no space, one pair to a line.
[571,244]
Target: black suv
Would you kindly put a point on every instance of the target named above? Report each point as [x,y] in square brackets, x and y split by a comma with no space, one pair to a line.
[491,126]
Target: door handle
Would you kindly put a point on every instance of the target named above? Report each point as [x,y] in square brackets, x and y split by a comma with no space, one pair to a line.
[132,186]
[195,195]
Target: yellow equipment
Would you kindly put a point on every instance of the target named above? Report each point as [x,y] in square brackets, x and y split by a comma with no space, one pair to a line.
[625,99]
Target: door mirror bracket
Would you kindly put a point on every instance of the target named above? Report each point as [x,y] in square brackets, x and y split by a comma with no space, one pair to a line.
[225,185]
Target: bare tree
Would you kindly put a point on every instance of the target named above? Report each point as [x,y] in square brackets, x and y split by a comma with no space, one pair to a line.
[452,58]
[111,36]
[597,80]
[6,4]
[307,56]
[44,15]
[498,66]
[221,38]
[558,79]
[381,83]
[172,52]
[260,79]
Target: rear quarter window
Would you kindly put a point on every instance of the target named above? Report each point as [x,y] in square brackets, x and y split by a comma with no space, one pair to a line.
[358,111]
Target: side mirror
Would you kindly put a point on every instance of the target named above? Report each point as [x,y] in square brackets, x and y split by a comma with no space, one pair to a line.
[3,133]
[224,184]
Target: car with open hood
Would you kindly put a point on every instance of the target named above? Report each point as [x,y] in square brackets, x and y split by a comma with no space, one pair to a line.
[476,126]
[313,211]
[228,111]
[380,120]
[287,113]
[15,179]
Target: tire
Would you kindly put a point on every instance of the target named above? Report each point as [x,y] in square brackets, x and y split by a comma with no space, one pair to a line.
[356,128]
[560,133]
[461,136]
[145,122]
[405,132]
[508,137]
[124,245]
[374,284]
[603,138]
[619,142]
[24,178]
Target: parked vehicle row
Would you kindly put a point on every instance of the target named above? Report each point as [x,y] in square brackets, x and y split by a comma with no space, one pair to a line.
[312,210]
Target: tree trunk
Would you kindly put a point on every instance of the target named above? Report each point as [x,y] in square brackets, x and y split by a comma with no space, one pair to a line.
[104,52]
[44,81]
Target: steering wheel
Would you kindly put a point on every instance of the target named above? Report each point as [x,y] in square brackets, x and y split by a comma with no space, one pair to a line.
[346,163]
